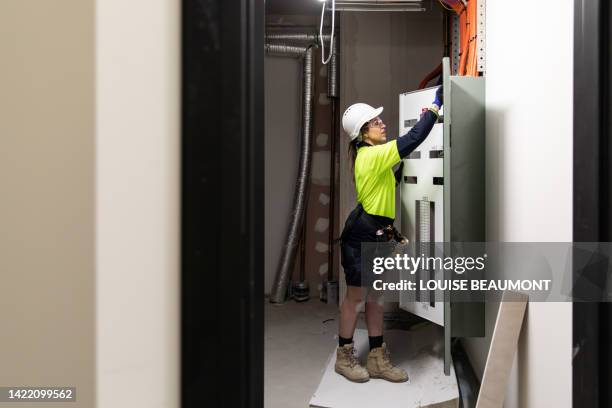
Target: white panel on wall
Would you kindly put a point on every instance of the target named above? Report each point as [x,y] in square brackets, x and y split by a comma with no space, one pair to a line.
[137,200]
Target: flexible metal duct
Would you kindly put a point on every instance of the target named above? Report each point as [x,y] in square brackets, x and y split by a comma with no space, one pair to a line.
[296,224]
[310,38]
[285,50]
[332,73]
[377,5]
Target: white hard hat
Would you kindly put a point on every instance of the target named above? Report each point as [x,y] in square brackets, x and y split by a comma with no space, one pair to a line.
[357,115]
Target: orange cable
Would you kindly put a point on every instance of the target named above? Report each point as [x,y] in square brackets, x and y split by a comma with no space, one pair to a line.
[467,64]
[433,74]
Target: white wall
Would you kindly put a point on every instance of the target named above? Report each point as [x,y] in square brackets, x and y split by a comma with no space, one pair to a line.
[529,178]
[137,197]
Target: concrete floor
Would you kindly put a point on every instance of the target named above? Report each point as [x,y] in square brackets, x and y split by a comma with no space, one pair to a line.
[299,338]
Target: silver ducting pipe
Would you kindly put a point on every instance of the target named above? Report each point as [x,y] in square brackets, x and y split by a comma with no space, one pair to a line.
[285,50]
[332,72]
[310,38]
[296,224]
[377,5]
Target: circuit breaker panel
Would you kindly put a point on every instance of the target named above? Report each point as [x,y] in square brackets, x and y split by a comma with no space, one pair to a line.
[442,194]
[422,198]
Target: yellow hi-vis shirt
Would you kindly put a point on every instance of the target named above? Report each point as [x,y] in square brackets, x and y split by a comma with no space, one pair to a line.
[374,178]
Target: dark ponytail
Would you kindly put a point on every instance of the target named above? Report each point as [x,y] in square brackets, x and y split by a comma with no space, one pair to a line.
[352,152]
[353,146]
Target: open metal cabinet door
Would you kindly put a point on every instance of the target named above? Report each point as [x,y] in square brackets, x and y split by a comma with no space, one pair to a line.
[446,82]
[464,191]
[442,196]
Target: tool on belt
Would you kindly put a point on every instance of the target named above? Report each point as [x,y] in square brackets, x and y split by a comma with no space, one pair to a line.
[386,233]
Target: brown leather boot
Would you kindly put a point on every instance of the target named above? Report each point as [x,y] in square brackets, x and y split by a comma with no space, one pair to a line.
[348,366]
[379,366]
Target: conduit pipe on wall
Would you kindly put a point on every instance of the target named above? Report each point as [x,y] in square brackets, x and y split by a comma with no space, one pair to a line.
[376,5]
[285,50]
[332,73]
[296,223]
[332,93]
[311,39]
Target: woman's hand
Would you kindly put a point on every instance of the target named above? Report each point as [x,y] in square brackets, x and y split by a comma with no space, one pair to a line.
[439,97]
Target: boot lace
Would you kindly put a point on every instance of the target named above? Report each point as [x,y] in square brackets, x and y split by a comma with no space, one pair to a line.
[386,360]
[351,357]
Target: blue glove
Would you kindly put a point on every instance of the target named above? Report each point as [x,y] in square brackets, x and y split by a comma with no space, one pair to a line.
[439,97]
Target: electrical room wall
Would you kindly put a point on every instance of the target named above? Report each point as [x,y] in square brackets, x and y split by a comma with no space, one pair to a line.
[529,194]
[283,121]
[282,140]
[47,177]
[137,203]
[382,55]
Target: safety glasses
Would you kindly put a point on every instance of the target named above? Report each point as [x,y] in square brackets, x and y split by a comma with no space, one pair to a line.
[376,123]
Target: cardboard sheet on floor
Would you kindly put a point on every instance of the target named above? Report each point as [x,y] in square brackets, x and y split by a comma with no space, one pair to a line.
[418,351]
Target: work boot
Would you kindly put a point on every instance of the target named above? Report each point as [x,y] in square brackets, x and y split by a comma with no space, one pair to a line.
[348,366]
[379,366]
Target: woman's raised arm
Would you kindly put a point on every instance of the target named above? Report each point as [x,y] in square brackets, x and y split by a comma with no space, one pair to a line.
[411,140]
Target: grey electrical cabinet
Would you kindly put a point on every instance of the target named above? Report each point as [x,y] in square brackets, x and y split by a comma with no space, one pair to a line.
[442,193]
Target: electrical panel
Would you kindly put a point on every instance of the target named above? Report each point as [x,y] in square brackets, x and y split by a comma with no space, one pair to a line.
[442,194]
[422,198]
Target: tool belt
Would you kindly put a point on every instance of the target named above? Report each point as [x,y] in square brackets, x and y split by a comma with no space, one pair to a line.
[384,234]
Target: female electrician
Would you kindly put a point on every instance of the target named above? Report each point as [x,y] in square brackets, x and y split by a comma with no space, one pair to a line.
[373,158]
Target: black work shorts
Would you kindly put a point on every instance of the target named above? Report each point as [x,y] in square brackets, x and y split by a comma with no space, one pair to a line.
[350,257]
[364,229]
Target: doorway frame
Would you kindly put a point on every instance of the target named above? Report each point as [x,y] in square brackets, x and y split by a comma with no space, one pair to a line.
[592,184]
[222,203]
